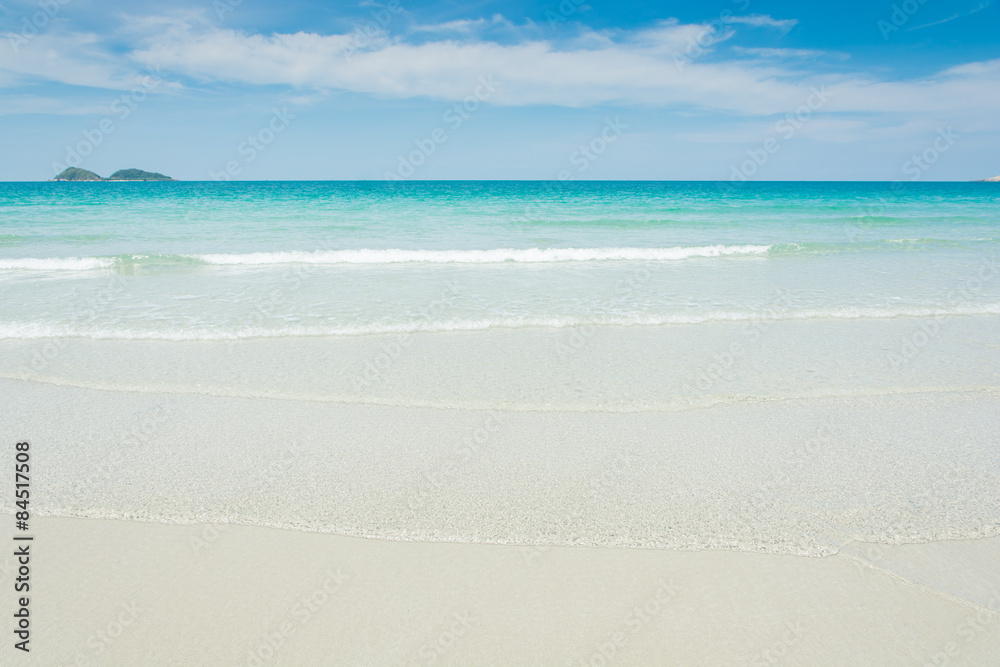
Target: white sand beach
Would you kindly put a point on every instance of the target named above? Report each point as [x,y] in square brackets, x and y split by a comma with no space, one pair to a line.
[129,593]
[225,529]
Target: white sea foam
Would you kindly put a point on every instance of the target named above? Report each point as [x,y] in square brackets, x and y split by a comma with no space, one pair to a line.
[55,263]
[391,256]
[36,330]
[528,255]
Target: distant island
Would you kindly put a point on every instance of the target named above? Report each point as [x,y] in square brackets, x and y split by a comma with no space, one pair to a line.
[77,174]
[995,179]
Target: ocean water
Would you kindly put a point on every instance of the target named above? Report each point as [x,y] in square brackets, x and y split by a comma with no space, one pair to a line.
[203,261]
[699,332]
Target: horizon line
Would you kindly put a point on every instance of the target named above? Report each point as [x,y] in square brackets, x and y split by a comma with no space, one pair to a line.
[498,180]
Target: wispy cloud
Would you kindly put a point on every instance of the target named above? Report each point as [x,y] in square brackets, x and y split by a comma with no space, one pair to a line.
[464,26]
[790,53]
[959,15]
[670,37]
[764,21]
[638,67]
[78,59]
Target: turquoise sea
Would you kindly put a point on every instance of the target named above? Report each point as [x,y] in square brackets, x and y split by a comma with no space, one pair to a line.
[222,260]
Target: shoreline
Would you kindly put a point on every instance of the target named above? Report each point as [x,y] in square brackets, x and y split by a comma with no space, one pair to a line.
[847,549]
[786,477]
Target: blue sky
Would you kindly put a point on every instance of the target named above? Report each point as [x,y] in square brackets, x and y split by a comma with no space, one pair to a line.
[734,89]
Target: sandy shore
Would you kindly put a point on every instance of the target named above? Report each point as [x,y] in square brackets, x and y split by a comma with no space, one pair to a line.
[799,477]
[848,526]
[129,593]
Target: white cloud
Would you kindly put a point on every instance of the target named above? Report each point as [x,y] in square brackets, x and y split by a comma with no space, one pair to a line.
[465,26]
[625,68]
[530,72]
[304,99]
[73,58]
[764,21]
[974,87]
[981,7]
[790,53]
[669,38]
[669,64]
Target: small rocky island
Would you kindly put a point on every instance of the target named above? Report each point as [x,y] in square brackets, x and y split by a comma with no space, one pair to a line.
[77,174]
[995,179]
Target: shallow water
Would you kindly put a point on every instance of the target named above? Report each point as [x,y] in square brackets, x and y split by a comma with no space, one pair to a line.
[660,356]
